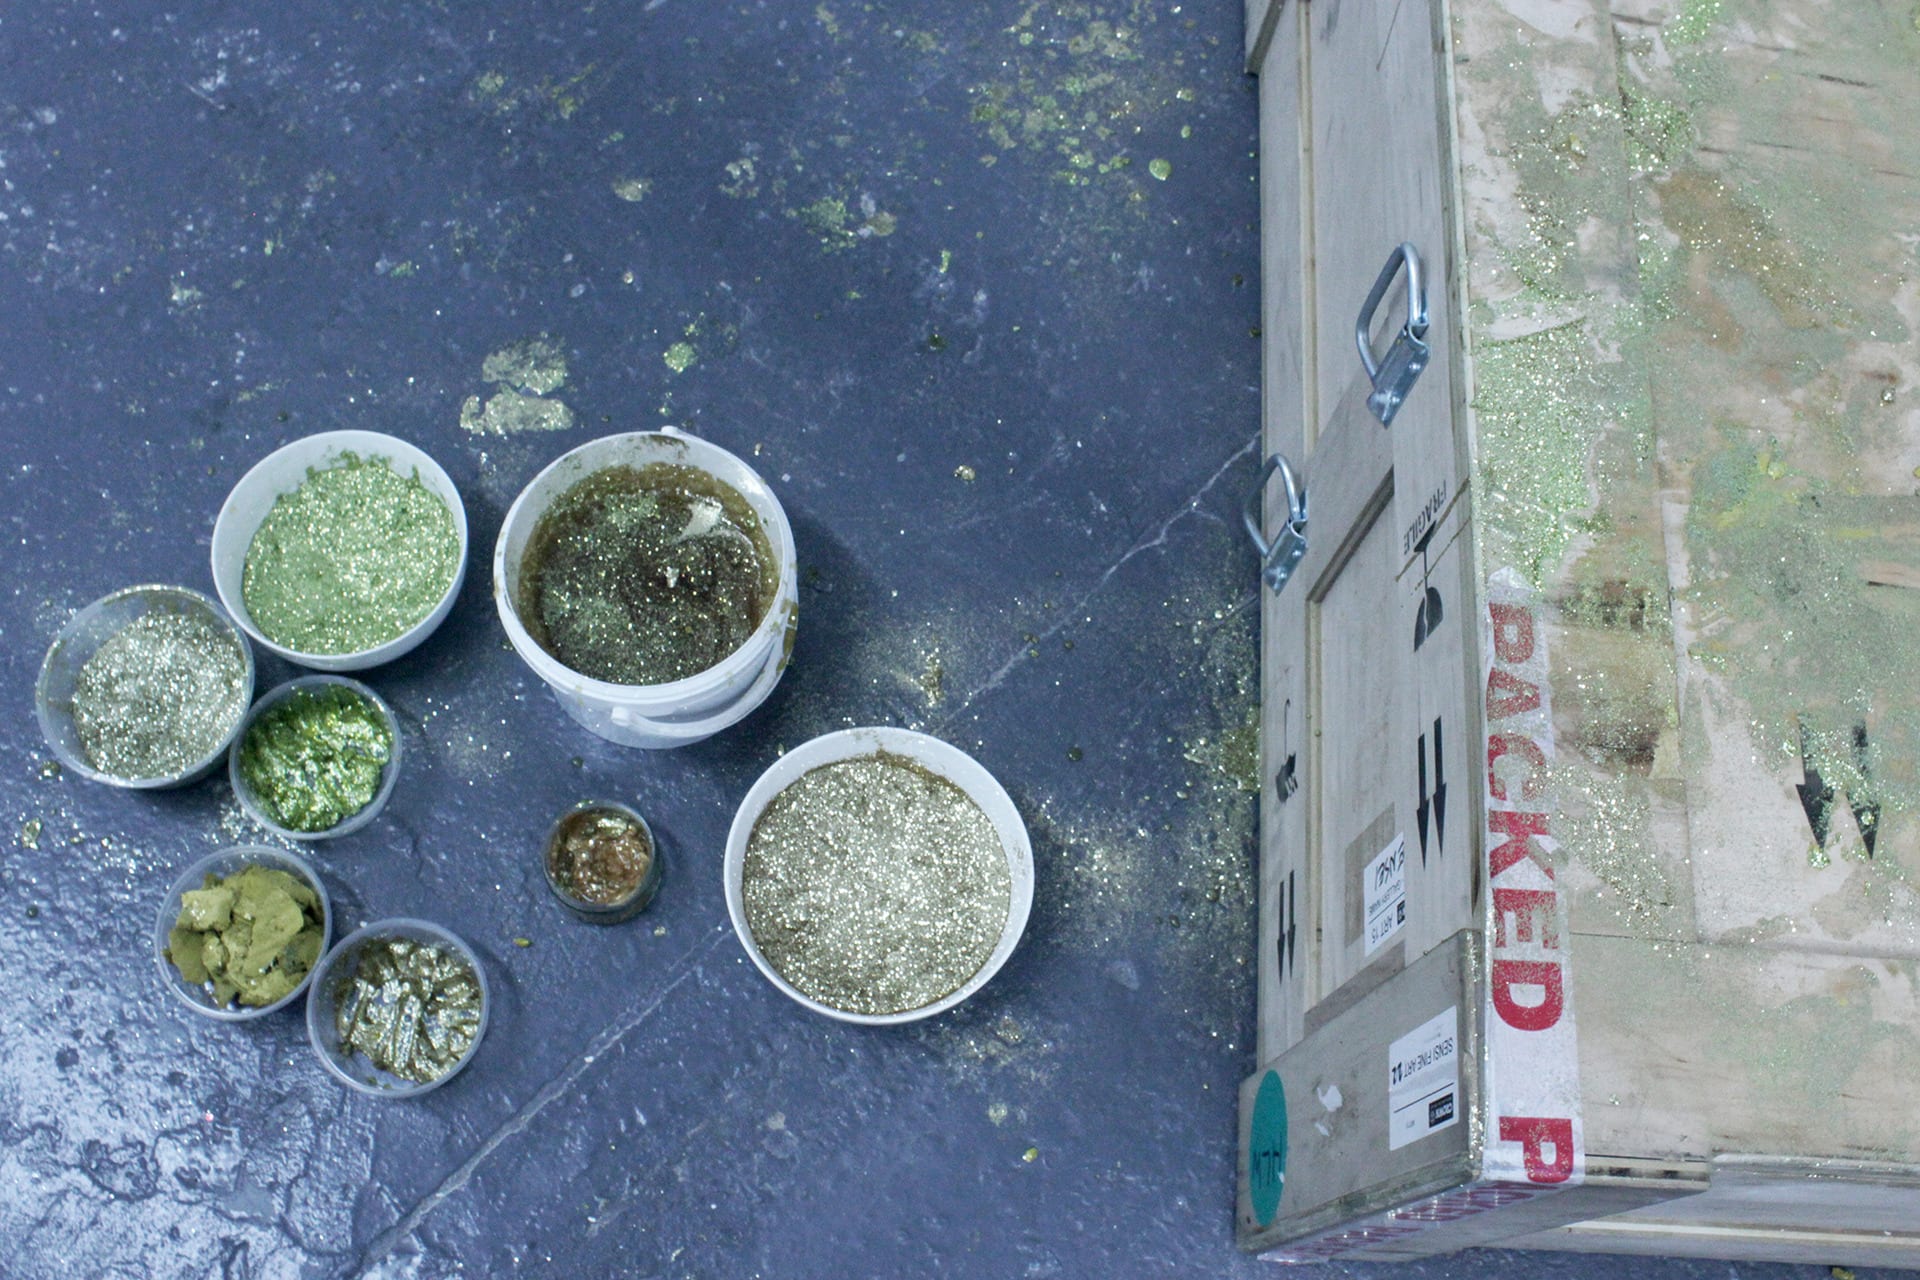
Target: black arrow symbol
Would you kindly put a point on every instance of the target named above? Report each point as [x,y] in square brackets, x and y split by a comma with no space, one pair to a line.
[1283,945]
[1816,794]
[1816,797]
[1434,802]
[1420,811]
[1867,815]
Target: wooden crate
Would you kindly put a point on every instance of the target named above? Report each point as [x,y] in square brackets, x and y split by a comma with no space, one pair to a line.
[1590,867]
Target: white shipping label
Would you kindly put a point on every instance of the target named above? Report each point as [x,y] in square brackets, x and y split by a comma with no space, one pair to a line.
[1386,894]
[1423,1080]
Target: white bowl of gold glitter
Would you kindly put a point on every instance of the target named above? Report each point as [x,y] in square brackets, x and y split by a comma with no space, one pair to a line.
[342,550]
[145,688]
[878,875]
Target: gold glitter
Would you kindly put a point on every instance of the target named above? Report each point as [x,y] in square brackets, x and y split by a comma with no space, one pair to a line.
[874,886]
[537,366]
[510,412]
[159,696]
[30,833]
[529,373]
[413,1008]
[601,857]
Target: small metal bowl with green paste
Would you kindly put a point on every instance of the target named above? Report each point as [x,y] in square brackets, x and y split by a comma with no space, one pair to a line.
[242,931]
[316,758]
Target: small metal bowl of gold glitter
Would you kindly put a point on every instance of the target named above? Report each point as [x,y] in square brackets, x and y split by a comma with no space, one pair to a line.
[316,758]
[242,931]
[602,862]
[145,688]
[397,1008]
[878,875]
[342,550]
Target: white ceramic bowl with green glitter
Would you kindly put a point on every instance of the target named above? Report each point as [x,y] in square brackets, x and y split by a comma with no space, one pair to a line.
[939,758]
[682,711]
[283,472]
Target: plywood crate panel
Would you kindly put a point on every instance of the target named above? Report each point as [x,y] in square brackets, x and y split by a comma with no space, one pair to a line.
[1591,717]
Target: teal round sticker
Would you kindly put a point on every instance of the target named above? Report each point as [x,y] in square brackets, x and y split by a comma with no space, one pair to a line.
[1267,1148]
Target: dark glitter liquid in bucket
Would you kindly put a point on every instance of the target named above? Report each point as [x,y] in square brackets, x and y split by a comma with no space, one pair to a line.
[646,575]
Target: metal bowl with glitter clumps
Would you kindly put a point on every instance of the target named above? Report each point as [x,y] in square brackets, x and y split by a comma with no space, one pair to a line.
[316,758]
[145,688]
[397,1008]
[878,875]
[342,550]
[241,932]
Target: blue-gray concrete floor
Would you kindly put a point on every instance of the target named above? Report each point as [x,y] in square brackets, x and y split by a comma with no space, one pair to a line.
[879,249]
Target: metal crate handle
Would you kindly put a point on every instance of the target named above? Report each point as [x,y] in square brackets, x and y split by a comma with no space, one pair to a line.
[1278,558]
[1394,374]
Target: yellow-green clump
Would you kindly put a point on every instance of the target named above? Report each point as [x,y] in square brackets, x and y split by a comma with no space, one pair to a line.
[249,938]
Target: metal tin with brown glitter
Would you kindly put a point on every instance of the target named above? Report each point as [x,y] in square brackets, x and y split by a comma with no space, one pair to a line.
[602,862]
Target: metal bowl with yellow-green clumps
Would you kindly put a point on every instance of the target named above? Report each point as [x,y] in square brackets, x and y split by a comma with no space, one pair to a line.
[242,931]
[316,758]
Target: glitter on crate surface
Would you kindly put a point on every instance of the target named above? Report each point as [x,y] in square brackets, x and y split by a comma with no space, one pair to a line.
[159,695]
[412,1008]
[875,886]
[646,575]
[353,558]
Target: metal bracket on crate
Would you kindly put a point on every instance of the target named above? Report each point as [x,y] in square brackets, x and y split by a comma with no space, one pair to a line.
[1278,558]
[1394,374]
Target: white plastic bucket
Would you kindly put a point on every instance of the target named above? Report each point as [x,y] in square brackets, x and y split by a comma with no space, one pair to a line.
[681,711]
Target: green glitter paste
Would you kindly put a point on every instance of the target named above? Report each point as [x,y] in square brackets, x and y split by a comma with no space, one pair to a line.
[315,759]
[353,558]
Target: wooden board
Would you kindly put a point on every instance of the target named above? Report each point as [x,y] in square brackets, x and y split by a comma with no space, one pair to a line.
[1286,399]
[1674,293]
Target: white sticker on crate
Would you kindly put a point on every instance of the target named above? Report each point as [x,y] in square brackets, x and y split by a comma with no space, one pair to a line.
[1423,1080]
[1386,894]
